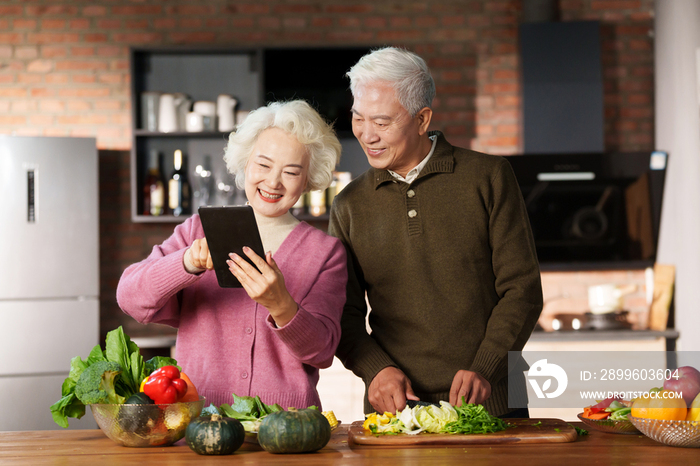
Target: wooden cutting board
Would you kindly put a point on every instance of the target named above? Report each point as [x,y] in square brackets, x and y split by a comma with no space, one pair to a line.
[524,431]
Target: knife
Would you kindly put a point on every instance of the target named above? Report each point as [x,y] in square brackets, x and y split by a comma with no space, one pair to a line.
[413,403]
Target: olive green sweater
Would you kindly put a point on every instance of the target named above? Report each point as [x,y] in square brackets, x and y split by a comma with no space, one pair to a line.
[450,271]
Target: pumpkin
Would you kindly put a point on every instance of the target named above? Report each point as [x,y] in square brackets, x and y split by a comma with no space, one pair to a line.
[214,435]
[294,431]
[137,415]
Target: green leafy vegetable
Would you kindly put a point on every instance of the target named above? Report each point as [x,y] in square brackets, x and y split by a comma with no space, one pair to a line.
[474,419]
[537,424]
[210,411]
[620,414]
[249,410]
[119,349]
[580,431]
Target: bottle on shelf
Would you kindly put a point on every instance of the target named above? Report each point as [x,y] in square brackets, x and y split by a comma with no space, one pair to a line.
[179,192]
[299,208]
[154,187]
[317,203]
[204,184]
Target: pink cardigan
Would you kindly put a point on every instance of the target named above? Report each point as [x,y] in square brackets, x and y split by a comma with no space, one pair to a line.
[226,342]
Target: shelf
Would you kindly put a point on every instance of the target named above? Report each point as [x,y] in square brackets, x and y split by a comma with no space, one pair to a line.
[201,73]
[158,218]
[180,134]
[252,75]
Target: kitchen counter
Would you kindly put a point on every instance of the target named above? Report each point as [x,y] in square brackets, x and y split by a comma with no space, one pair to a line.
[604,335]
[92,447]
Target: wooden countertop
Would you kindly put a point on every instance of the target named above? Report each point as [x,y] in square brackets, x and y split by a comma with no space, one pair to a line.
[92,447]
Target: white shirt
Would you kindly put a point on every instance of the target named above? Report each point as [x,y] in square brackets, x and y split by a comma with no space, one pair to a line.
[413,174]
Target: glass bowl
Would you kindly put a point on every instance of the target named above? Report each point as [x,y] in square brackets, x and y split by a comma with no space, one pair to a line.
[133,425]
[622,426]
[673,433]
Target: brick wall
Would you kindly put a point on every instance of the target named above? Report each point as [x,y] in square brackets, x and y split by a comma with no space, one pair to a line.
[64,72]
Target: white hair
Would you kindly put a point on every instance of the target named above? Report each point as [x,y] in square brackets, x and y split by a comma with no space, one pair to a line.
[297,118]
[405,71]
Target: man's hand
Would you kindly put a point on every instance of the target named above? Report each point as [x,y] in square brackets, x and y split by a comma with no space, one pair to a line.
[470,385]
[389,390]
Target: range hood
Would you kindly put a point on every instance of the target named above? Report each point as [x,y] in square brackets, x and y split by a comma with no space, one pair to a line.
[562,83]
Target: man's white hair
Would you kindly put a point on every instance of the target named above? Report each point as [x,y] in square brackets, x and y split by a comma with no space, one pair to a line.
[405,71]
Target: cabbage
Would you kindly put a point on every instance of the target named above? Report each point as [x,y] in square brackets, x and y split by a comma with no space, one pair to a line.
[434,418]
[410,425]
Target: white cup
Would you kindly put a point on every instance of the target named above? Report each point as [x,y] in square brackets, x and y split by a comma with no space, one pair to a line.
[194,122]
[605,298]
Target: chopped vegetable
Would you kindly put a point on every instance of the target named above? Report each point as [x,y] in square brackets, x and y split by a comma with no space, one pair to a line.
[580,431]
[332,420]
[385,423]
[435,418]
[620,414]
[609,408]
[474,419]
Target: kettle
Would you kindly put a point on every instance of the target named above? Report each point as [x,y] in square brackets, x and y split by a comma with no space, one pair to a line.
[606,298]
[225,110]
[183,104]
[167,113]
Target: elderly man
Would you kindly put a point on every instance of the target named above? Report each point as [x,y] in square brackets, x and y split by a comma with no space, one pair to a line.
[439,241]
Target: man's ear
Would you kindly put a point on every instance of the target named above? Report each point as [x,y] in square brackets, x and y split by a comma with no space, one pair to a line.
[424,116]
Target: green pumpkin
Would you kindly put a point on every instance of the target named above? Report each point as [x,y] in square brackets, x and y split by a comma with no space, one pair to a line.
[214,435]
[294,431]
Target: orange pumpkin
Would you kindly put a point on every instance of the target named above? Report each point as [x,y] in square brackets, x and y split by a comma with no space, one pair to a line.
[661,406]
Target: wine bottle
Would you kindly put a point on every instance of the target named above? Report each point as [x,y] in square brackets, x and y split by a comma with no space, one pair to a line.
[179,193]
[154,187]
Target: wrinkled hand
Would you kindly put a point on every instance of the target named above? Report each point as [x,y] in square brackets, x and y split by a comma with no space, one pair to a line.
[198,257]
[265,285]
[470,385]
[389,390]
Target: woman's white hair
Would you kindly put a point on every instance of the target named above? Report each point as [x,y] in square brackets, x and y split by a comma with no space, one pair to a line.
[405,71]
[297,118]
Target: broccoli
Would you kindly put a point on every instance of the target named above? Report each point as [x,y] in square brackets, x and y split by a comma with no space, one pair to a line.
[96,384]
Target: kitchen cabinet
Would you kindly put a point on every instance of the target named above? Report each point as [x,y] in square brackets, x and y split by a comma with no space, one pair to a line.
[202,74]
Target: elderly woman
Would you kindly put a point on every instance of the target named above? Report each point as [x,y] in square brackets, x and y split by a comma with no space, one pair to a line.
[271,337]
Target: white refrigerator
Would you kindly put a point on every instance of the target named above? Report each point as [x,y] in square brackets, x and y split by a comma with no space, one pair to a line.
[49,273]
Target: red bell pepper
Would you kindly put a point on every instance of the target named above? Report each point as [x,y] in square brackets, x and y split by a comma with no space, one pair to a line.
[604,404]
[164,386]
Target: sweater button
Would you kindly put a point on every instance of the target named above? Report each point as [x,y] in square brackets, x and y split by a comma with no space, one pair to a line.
[410,193]
[412,213]
[248,330]
[244,375]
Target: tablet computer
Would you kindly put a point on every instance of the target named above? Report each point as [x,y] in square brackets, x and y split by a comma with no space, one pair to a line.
[228,229]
